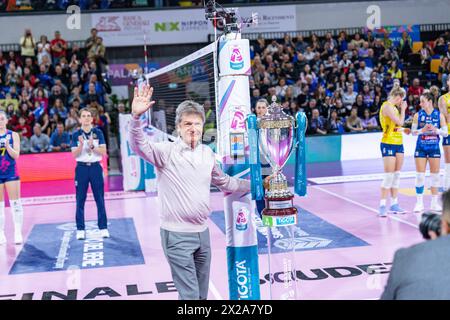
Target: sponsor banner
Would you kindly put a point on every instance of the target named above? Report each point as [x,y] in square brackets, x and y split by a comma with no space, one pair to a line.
[132,164]
[137,174]
[182,26]
[371,272]
[54,247]
[330,272]
[58,166]
[395,32]
[275,221]
[161,27]
[270,18]
[367,146]
[243,273]
[122,74]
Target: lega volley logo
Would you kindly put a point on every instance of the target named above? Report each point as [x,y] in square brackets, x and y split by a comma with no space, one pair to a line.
[236,59]
[242,219]
[238,121]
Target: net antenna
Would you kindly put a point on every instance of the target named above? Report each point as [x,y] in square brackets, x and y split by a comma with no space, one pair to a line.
[139,78]
[145,54]
[144,79]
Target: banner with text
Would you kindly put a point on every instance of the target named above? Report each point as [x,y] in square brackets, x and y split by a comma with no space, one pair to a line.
[161,27]
[182,26]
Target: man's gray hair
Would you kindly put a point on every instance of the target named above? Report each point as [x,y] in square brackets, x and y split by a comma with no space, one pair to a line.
[189,107]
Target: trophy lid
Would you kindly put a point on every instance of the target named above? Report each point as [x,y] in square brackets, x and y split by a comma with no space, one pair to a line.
[275,117]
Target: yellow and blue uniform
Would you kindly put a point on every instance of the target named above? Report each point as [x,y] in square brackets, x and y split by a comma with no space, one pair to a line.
[428,142]
[89,171]
[8,168]
[446,97]
[392,140]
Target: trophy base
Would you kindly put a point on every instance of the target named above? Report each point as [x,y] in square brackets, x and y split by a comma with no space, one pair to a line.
[279,212]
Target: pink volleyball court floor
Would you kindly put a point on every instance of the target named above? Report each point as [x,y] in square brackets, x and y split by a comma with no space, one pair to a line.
[343,250]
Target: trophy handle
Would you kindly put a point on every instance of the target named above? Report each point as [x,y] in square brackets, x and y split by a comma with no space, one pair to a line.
[296,127]
[306,124]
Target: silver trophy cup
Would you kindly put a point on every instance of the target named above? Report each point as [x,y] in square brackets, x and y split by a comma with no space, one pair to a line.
[276,142]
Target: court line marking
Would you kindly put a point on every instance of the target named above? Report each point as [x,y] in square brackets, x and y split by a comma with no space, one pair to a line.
[363,177]
[214,291]
[363,206]
[70,198]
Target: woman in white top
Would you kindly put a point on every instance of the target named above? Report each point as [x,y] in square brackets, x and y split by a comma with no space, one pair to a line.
[43,49]
[72,122]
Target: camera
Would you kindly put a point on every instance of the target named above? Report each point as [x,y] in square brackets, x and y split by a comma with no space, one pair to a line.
[430,222]
[210,9]
[226,19]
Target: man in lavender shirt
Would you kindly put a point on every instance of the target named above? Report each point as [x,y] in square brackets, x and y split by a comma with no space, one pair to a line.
[185,169]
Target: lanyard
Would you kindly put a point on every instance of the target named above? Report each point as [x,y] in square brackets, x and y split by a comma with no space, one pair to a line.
[87,136]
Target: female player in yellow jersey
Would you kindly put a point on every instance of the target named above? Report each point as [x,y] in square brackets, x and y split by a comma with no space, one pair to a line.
[444,108]
[392,120]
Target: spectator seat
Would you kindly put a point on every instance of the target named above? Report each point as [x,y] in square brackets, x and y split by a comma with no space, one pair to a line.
[417,46]
[434,66]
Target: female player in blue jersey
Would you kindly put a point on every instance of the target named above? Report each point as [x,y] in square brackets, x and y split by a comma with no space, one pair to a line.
[428,124]
[9,179]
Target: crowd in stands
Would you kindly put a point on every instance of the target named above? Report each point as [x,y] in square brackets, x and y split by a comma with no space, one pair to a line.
[51,5]
[341,82]
[54,5]
[44,86]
